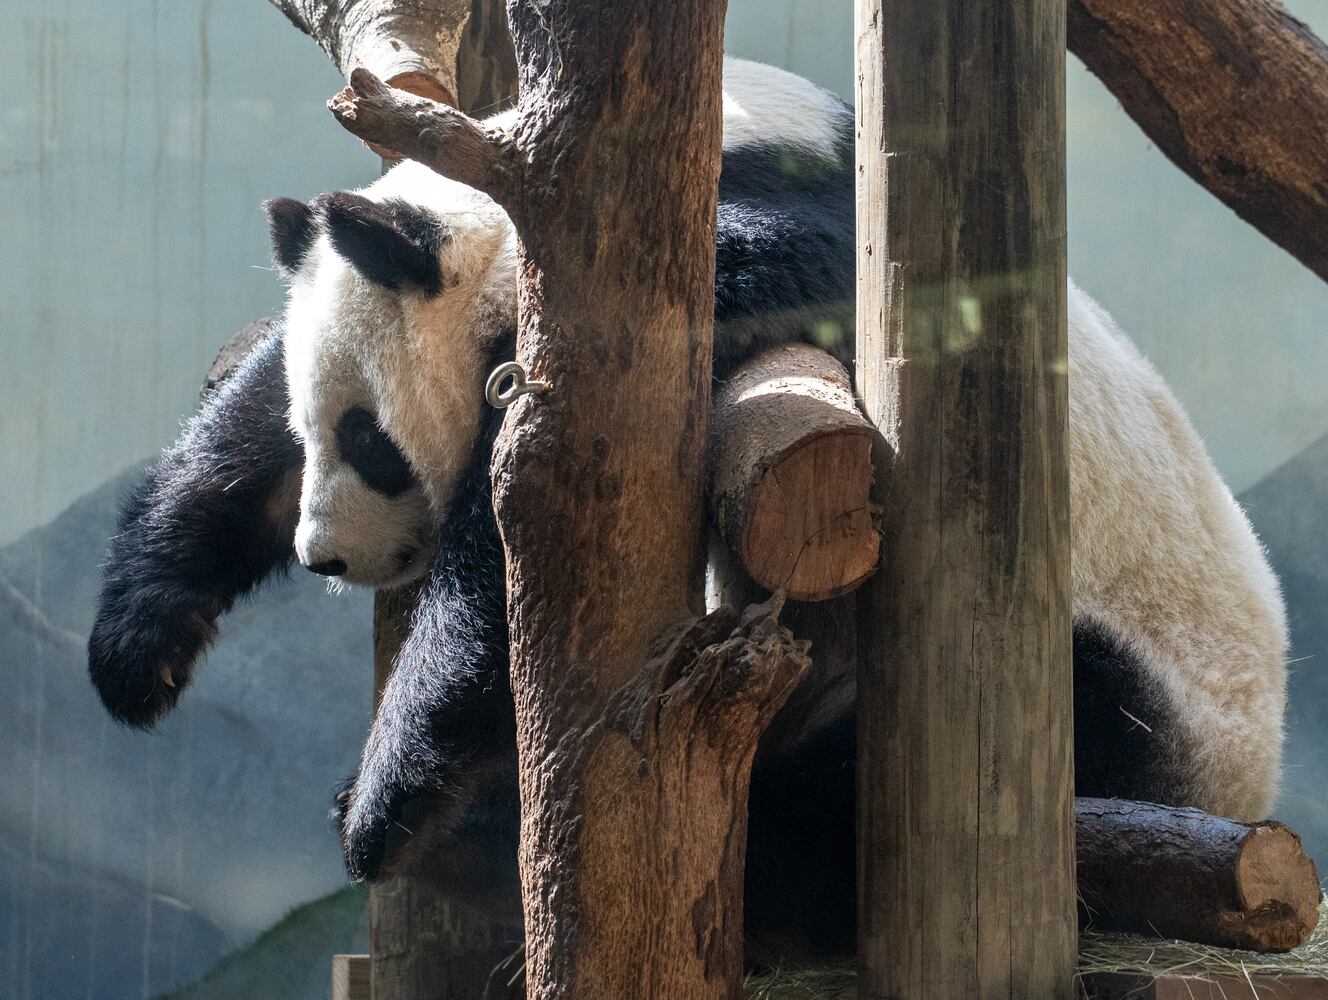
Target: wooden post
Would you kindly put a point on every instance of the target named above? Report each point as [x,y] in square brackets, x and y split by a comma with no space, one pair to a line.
[966,836]
[350,977]
[424,946]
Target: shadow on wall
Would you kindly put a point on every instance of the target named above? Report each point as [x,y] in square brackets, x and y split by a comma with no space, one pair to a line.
[1289,510]
[131,862]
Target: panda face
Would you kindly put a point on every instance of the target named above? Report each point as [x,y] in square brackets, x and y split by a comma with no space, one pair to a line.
[364,517]
[393,314]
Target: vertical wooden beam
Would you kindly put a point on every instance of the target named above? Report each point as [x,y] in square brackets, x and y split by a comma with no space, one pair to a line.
[966,836]
[423,946]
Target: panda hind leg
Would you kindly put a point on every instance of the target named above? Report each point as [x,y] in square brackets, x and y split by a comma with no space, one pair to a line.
[1128,739]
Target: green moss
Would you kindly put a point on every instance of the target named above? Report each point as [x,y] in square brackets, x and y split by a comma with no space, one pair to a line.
[293,959]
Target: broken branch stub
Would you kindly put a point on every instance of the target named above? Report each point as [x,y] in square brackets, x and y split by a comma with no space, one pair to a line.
[441,137]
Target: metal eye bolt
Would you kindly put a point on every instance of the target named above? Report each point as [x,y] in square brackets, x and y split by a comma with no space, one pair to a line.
[501,398]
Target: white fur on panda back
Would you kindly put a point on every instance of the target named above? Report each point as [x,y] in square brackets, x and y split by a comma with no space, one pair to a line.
[768,106]
[765,106]
[1165,559]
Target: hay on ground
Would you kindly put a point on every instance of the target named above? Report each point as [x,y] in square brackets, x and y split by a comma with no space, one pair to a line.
[1098,952]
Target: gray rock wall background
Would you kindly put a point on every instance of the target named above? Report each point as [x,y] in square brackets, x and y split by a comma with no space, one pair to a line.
[136,142]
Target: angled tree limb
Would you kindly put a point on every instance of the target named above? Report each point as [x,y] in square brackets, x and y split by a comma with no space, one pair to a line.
[439,136]
[1234,92]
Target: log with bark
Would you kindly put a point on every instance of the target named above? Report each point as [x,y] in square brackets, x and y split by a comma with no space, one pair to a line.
[791,474]
[637,720]
[1234,92]
[1182,873]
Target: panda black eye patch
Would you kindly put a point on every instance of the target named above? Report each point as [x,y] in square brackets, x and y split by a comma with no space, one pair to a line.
[372,454]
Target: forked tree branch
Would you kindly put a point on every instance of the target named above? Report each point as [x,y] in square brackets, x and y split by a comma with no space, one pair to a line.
[412,45]
[441,137]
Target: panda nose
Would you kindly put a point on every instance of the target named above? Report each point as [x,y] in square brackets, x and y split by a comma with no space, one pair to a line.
[328,567]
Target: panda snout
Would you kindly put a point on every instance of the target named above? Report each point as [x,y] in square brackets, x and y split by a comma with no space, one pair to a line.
[328,567]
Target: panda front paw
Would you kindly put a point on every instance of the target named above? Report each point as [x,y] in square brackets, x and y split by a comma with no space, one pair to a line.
[141,663]
[373,826]
[386,809]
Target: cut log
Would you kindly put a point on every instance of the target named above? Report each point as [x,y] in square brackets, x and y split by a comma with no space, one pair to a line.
[791,474]
[1234,92]
[1185,874]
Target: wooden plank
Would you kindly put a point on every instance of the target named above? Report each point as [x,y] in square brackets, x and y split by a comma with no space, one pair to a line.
[350,977]
[966,834]
[1257,986]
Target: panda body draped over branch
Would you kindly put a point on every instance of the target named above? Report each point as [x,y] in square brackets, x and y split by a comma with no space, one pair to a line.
[356,439]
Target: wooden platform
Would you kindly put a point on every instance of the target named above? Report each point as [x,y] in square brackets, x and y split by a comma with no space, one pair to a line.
[1112,967]
[1170,986]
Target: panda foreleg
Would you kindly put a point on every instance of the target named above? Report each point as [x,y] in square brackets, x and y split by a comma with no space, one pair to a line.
[212,519]
[445,731]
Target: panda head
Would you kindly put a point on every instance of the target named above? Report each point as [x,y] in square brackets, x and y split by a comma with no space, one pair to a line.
[398,298]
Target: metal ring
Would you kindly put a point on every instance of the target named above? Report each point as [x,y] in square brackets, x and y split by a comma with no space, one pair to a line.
[500,398]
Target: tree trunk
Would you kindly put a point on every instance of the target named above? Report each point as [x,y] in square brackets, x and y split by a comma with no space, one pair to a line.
[966,837]
[1182,873]
[637,721]
[1235,92]
[790,461]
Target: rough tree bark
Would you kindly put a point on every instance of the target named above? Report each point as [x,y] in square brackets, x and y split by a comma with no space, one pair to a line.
[790,474]
[637,721]
[1182,873]
[965,772]
[1235,93]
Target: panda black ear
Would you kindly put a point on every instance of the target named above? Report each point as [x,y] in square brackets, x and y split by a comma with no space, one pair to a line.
[391,243]
[293,227]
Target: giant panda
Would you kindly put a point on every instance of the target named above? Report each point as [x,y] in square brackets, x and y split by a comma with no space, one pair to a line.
[355,439]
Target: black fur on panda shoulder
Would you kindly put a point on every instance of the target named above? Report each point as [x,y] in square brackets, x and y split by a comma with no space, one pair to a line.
[784,267]
[209,521]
